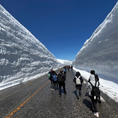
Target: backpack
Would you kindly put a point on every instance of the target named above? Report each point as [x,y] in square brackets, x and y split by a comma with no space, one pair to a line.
[49,75]
[95,91]
[78,81]
[54,78]
[61,77]
[97,83]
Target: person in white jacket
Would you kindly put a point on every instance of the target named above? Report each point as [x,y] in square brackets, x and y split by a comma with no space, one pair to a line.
[94,91]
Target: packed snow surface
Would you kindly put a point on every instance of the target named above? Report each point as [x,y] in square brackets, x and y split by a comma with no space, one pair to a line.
[64,62]
[22,56]
[100,51]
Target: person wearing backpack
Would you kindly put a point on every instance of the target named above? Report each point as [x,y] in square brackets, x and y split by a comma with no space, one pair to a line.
[97,84]
[61,82]
[64,70]
[78,80]
[55,80]
[71,68]
[50,78]
[95,92]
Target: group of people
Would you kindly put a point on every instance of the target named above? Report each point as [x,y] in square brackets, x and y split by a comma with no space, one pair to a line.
[58,82]
[93,90]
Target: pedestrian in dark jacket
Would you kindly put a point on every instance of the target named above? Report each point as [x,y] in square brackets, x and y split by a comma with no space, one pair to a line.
[61,82]
[78,80]
[50,78]
[95,92]
[55,80]
[52,75]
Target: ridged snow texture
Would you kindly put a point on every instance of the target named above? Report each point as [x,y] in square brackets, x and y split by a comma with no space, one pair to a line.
[21,54]
[100,51]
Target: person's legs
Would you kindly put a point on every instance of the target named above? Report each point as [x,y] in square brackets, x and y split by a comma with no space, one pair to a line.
[94,104]
[51,86]
[60,89]
[51,83]
[98,99]
[64,88]
[96,113]
[80,90]
[77,92]
[55,85]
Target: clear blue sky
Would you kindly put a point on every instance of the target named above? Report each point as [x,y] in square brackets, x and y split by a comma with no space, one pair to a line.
[61,25]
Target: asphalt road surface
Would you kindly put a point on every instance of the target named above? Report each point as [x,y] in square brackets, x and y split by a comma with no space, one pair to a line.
[35,99]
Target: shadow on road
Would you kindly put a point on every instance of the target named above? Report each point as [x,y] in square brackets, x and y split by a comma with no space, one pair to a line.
[88,104]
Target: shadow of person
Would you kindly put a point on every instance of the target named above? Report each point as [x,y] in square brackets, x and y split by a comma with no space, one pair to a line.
[88,104]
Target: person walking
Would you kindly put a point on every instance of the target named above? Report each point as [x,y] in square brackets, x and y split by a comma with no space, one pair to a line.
[55,80]
[78,80]
[95,92]
[61,82]
[52,76]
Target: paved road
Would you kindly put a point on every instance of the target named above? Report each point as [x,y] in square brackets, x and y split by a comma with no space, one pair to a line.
[34,99]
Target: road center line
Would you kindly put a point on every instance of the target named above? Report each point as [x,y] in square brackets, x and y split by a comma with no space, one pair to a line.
[27,100]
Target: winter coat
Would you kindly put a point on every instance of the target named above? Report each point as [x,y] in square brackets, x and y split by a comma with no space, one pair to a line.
[93,85]
[94,80]
[61,78]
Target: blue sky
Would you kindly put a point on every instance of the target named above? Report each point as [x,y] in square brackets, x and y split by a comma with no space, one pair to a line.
[61,25]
